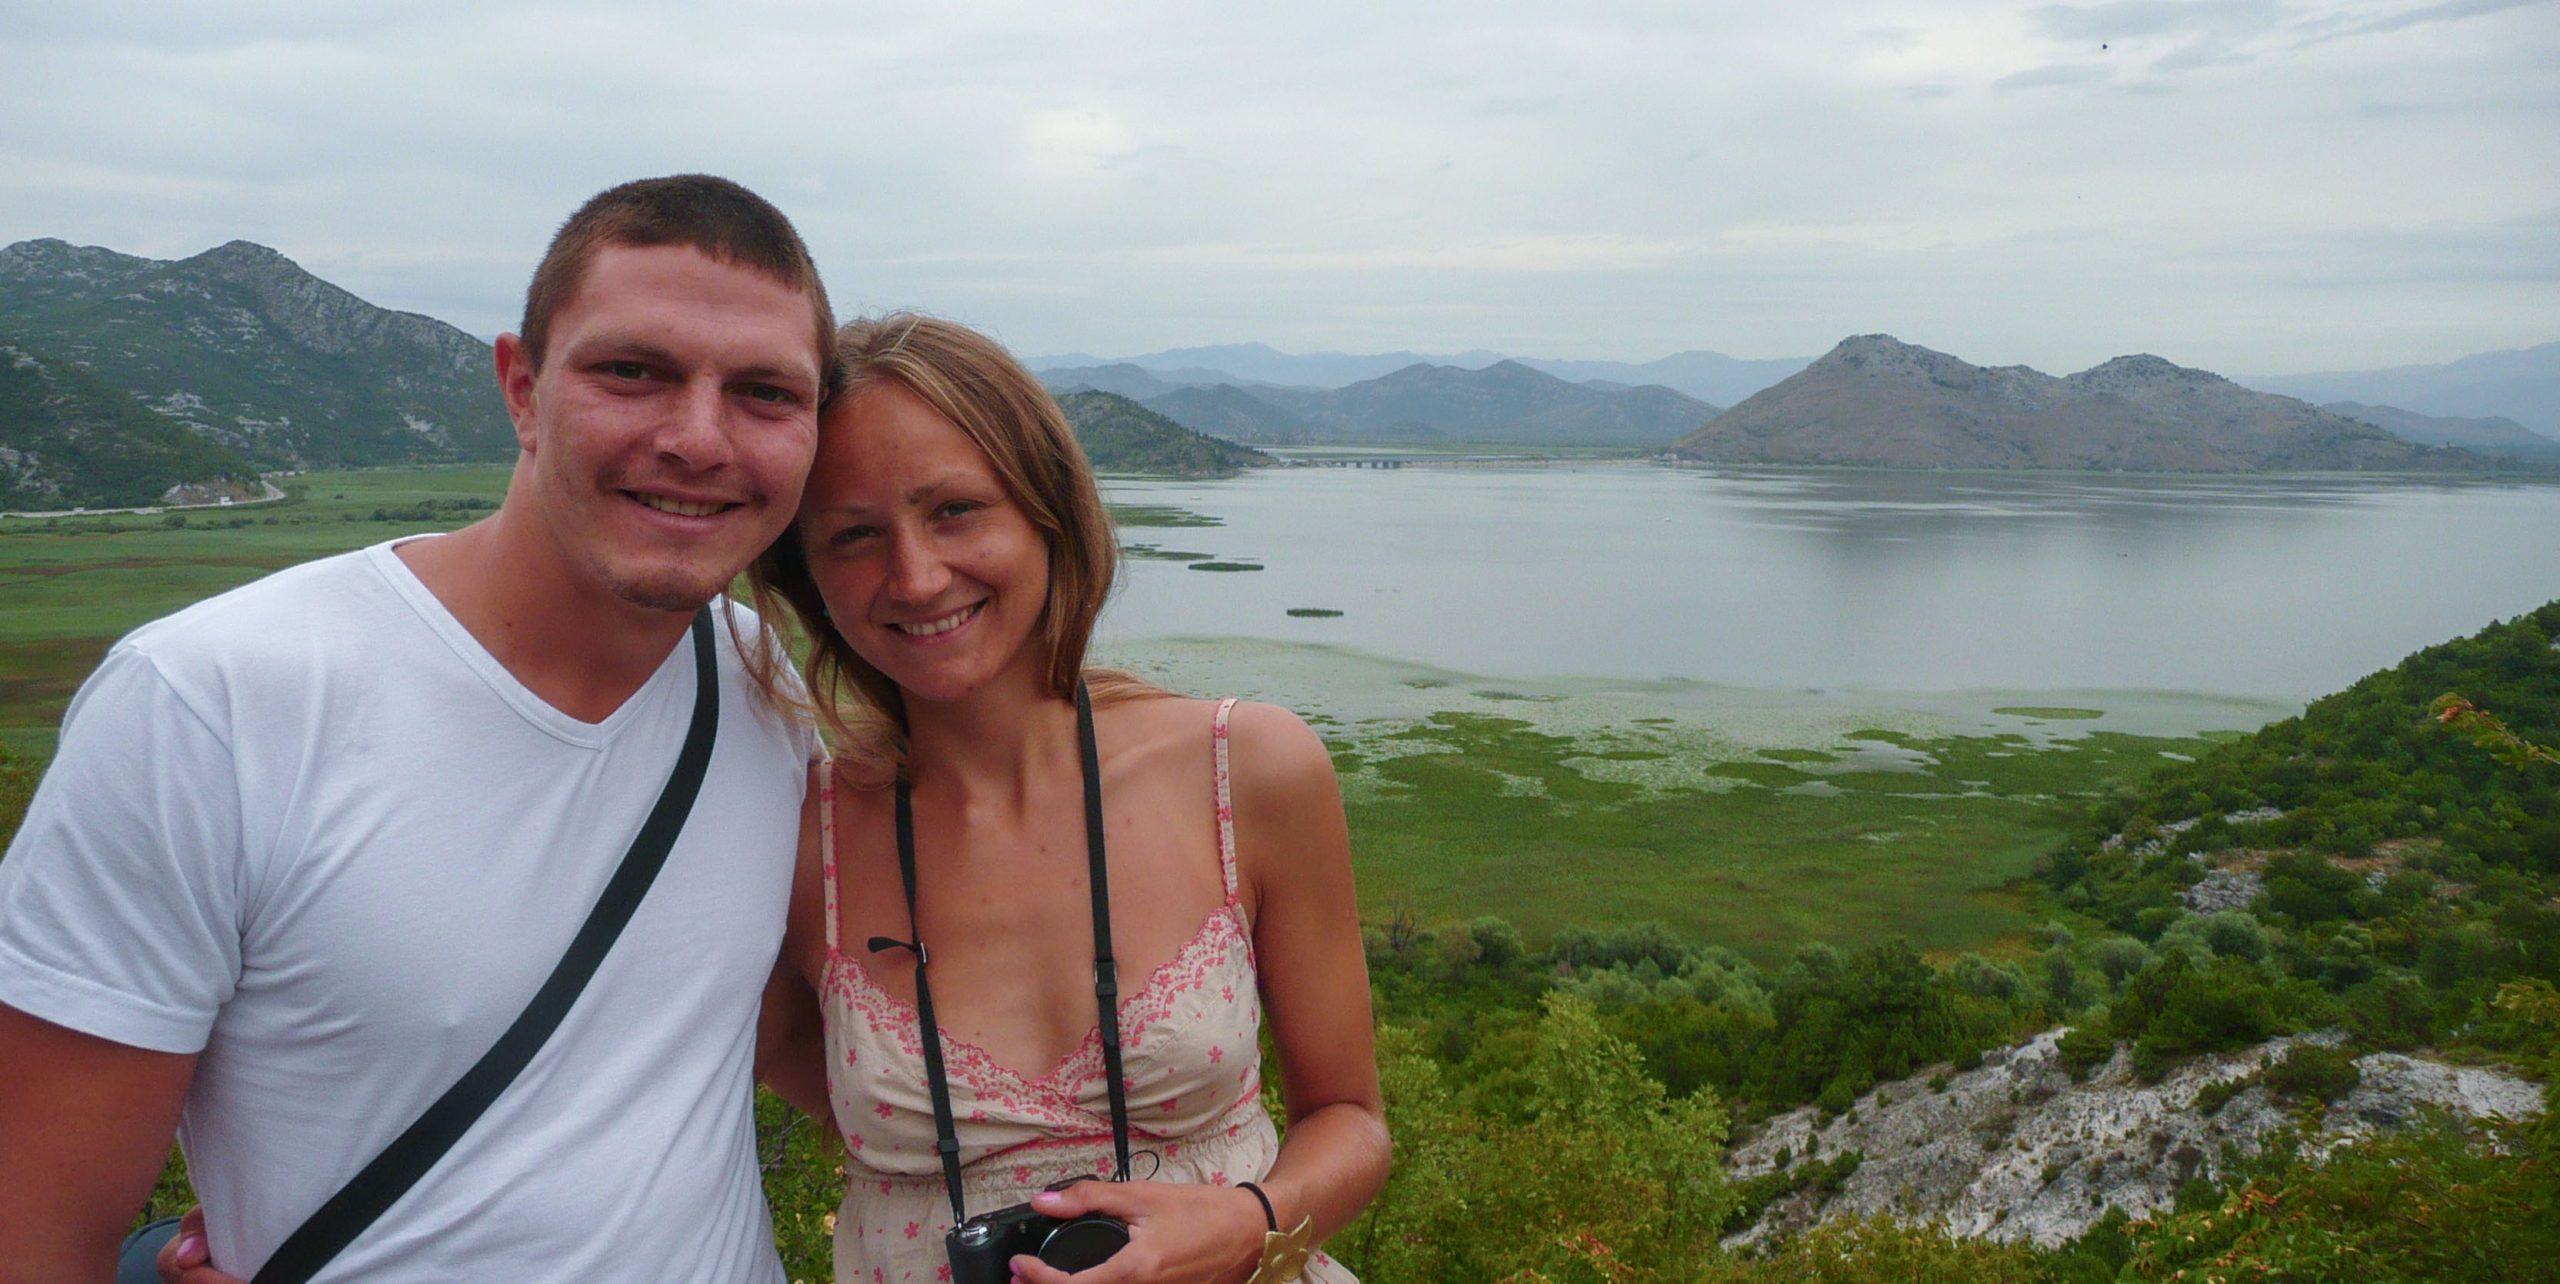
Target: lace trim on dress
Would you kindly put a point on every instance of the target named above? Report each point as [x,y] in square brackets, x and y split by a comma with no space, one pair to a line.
[1211,948]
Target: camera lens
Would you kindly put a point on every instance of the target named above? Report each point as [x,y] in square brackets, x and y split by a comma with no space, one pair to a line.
[1084,1243]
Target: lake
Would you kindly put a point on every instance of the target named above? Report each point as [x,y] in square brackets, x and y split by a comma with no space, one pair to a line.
[2275,589]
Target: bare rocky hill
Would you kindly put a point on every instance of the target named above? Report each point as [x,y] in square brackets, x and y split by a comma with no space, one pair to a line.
[2015,1150]
[1879,402]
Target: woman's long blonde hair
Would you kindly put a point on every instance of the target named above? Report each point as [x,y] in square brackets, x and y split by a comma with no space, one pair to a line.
[972,381]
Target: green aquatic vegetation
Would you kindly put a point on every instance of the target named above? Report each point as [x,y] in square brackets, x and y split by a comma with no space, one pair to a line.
[1126,516]
[1751,857]
[2054,713]
[1226,566]
[1151,553]
[1798,755]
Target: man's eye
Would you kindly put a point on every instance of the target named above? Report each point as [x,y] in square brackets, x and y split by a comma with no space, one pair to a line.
[772,395]
[625,370]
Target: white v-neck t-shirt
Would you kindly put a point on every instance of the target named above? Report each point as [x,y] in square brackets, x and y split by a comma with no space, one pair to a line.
[310,829]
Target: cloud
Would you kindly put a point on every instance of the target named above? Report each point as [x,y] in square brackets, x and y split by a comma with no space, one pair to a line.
[2047,77]
[1579,177]
[2129,19]
[2448,11]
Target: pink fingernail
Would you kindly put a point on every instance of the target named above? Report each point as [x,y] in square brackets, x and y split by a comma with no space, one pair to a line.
[190,1247]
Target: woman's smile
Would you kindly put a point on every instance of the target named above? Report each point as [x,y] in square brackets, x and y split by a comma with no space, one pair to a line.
[940,629]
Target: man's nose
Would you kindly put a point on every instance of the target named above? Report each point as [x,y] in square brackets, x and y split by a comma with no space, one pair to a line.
[696,434]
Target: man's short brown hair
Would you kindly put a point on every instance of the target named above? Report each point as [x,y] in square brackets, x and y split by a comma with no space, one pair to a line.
[713,215]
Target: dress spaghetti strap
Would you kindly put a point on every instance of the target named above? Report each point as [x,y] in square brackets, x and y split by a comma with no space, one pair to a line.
[1226,797]
[827,843]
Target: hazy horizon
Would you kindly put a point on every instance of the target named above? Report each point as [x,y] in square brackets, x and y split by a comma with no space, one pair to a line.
[2252,187]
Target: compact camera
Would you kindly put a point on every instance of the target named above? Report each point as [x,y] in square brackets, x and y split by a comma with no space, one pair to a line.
[982,1248]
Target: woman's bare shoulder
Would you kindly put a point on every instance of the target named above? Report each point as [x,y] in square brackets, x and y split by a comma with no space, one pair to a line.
[1275,754]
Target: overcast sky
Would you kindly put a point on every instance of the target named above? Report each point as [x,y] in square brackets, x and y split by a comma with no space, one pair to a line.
[2252,186]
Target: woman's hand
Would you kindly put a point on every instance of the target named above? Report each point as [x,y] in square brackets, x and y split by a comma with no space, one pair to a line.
[186,1259]
[1177,1233]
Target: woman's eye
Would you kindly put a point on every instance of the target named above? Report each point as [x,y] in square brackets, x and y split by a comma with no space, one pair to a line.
[958,508]
[852,534]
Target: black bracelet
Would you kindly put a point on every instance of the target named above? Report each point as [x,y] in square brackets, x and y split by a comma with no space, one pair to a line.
[1265,1200]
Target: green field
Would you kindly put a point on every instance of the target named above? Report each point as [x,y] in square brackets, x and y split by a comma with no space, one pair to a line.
[74,585]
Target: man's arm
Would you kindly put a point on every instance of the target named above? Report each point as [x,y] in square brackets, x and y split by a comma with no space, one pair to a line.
[85,1126]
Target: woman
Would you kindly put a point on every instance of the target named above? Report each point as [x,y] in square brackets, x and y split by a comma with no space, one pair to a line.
[949,560]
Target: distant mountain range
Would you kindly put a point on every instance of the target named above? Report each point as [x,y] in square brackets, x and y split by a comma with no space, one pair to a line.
[1505,403]
[1879,402]
[2496,435]
[1121,436]
[1708,376]
[2522,384]
[247,352]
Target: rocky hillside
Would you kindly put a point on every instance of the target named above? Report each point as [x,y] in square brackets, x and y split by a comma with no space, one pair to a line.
[244,349]
[1121,436]
[1878,402]
[2015,1149]
[2494,435]
[69,441]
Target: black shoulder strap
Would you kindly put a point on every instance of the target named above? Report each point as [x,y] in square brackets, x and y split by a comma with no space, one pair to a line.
[1106,971]
[373,1191]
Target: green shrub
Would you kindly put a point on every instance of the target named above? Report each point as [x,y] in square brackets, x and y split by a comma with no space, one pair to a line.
[2312,1072]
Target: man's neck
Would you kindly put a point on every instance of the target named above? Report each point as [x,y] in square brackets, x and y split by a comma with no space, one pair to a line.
[572,643]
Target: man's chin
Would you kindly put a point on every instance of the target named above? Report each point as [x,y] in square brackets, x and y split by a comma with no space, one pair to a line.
[670,592]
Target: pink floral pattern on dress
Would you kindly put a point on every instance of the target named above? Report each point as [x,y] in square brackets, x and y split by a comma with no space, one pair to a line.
[1201,1119]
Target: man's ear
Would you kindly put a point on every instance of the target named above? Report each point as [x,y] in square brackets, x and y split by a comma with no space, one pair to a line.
[515,386]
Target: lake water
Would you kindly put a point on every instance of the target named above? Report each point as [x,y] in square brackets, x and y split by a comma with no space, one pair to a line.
[2278,589]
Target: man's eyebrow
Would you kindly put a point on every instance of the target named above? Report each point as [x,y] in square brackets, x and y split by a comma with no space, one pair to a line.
[803,376]
[638,349]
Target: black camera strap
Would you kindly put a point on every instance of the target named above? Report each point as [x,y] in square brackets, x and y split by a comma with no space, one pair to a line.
[381,1183]
[1106,969]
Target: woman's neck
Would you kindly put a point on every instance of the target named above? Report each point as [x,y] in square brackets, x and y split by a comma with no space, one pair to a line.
[1002,743]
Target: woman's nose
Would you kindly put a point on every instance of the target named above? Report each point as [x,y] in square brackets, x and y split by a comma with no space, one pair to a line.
[917,571]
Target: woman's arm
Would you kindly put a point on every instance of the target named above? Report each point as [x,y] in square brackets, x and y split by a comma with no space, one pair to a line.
[791,1045]
[1294,852]
[1295,856]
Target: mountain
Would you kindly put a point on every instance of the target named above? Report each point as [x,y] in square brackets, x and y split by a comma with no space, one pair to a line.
[1506,402]
[1876,401]
[1120,379]
[245,349]
[1224,410]
[2521,384]
[1708,376]
[68,440]
[2495,436]
[1121,436]
[1249,363]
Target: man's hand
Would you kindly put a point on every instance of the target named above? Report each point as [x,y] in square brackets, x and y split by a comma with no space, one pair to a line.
[187,1259]
[84,1128]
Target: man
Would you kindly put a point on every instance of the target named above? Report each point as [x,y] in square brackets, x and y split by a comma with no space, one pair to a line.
[307,848]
